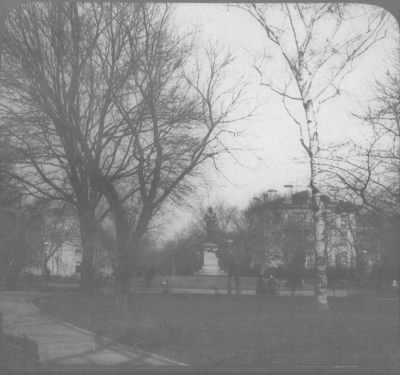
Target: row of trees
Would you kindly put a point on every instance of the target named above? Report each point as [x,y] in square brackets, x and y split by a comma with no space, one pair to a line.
[276,236]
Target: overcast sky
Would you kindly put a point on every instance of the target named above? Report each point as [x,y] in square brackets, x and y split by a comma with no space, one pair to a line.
[272,136]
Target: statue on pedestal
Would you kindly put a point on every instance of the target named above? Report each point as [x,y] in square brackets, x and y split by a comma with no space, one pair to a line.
[210,247]
[211,225]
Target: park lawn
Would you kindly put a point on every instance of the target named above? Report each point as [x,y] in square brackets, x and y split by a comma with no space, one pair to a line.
[233,332]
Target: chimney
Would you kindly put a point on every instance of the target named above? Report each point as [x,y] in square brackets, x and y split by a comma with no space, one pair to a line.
[289,194]
[271,193]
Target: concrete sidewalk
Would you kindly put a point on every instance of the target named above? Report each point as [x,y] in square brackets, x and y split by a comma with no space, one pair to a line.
[62,344]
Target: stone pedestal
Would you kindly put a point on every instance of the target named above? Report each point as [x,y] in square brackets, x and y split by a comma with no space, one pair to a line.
[210,265]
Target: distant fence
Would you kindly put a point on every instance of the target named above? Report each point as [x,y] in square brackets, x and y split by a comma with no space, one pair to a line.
[195,282]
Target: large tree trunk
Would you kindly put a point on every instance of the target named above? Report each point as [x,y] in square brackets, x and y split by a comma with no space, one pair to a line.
[125,257]
[88,232]
[125,268]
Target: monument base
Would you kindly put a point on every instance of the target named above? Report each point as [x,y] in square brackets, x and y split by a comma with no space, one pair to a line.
[210,265]
[211,272]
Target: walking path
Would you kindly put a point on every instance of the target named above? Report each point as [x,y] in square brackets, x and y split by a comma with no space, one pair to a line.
[61,343]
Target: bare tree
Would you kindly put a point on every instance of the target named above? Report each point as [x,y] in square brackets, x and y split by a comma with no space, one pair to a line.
[370,172]
[57,104]
[9,192]
[112,113]
[318,49]
[21,239]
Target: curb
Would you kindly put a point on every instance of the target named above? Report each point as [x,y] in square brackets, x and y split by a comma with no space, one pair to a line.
[121,347]
[125,348]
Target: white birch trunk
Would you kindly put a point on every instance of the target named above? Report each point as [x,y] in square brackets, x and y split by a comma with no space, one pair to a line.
[321,280]
[312,148]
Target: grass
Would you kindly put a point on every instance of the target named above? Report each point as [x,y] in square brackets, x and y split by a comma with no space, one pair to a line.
[245,332]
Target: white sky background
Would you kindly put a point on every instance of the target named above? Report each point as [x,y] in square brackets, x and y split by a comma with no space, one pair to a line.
[271,133]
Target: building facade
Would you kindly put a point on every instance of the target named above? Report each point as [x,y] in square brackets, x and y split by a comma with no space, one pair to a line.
[281,230]
[62,247]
